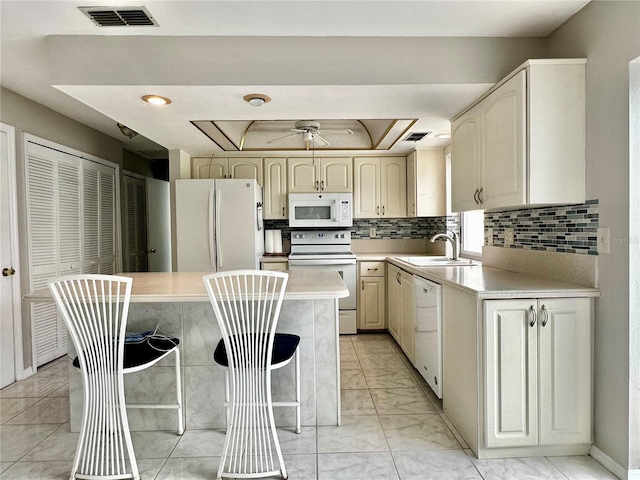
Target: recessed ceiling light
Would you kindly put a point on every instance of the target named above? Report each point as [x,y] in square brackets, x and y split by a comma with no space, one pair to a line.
[257,99]
[156,99]
[442,135]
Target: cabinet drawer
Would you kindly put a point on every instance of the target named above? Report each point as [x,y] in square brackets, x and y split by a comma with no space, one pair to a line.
[372,269]
[275,266]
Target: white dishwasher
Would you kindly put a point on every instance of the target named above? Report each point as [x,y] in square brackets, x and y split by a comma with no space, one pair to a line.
[428,315]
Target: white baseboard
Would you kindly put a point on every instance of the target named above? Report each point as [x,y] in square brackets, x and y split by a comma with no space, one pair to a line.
[25,373]
[614,467]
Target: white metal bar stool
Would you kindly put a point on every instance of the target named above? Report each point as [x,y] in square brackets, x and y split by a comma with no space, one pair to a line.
[95,310]
[247,304]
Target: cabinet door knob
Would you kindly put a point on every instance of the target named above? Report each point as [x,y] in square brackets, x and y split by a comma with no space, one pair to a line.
[283,212]
[475,197]
[383,209]
[317,188]
[480,196]
[322,185]
[545,317]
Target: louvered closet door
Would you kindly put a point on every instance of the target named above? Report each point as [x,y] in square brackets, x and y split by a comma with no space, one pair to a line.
[108,231]
[71,212]
[99,219]
[43,245]
[136,224]
[55,236]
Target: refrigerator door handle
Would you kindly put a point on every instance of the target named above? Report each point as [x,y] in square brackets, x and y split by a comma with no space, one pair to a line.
[212,241]
[218,249]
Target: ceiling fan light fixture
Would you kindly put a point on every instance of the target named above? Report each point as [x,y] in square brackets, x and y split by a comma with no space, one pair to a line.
[256,99]
[126,131]
[156,99]
[443,136]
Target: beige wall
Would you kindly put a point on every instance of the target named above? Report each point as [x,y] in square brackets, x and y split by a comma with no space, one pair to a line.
[608,34]
[30,117]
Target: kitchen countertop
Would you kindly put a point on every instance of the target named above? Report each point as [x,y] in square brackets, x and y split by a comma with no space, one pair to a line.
[189,287]
[487,282]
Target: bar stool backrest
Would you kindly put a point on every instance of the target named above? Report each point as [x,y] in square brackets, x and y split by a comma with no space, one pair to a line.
[246,304]
[95,309]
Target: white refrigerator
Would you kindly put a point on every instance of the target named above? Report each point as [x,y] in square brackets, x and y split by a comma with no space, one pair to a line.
[218,225]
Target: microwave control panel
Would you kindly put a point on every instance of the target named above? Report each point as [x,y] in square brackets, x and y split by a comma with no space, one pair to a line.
[345,210]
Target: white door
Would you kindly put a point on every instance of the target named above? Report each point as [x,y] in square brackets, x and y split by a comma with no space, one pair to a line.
[9,282]
[158,226]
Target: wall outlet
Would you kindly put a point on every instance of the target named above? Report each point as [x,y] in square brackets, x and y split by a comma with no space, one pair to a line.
[489,236]
[604,240]
[372,232]
[509,236]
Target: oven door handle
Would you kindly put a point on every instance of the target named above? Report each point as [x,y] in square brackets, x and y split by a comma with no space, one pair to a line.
[327,262]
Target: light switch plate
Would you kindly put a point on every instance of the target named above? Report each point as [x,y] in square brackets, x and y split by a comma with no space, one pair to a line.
[489,236]
[509,236]
[604,240]
[372,232]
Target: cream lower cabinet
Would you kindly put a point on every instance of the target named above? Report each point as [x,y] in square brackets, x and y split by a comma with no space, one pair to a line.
[537,372]
[401,316]
[372,308]
[277,266]
[408,334]
[394,301]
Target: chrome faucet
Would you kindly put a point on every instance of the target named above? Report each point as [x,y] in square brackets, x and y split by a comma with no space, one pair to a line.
[452,237]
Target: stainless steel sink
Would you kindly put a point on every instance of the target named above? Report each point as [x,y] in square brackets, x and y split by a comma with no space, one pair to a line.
[437,262]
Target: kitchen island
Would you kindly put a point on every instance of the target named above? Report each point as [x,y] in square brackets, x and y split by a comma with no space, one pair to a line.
[177,303]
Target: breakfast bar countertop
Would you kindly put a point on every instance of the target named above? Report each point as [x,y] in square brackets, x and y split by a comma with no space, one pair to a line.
[189,287]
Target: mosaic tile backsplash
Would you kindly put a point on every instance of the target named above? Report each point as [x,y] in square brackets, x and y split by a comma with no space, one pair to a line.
[386,228]
[566,228]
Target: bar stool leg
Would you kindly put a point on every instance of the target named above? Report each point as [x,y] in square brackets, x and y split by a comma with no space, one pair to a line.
[179,393]
[227,396]
[298,429]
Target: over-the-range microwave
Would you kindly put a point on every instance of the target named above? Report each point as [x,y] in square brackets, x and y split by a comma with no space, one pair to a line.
[320,210]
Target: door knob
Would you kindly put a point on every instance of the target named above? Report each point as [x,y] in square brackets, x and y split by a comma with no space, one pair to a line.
[7,272]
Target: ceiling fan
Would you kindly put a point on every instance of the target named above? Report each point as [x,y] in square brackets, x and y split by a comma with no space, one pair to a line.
[311,133]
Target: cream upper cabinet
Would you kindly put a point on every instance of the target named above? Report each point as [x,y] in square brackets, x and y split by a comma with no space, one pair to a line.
[502,116]
[275,188]
[209,167]
[537,372]
[524,142]
[380,187]
[232,167]
[426,183]
[465,169]
[241,168]
[330,175]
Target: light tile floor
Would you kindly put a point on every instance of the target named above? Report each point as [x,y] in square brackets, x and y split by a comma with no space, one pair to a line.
[392,429]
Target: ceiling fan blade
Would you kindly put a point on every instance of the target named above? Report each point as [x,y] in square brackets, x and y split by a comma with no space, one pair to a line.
[282,138]
[318,137]
[337,131]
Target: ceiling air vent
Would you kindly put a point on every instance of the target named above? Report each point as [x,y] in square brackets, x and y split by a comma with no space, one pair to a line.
[120,16]
[415,136]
